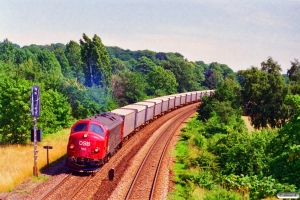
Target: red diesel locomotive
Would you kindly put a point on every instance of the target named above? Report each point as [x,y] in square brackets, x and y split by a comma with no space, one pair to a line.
[93,140]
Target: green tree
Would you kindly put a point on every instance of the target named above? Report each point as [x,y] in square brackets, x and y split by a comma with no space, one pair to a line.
[294,72]
[117,66]
[50,70]
[129,88]
[161,80]
[285,163]
[263,93]
[73,54]
[7,51]
[215,74]
[244,153]
[183,71]
[294,77]
[96,59]
[227,90]
[55,112]
[15,119]
[144,65]
[199,73]
[63,61]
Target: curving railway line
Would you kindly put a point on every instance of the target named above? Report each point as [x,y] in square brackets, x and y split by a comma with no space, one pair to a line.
[144,182]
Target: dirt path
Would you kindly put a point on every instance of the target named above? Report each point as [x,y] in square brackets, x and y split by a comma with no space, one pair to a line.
[248,124]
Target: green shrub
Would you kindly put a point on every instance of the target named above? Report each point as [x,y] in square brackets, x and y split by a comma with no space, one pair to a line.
[205,179]
[199,141]
[222,194]
[213,141]
[258,187]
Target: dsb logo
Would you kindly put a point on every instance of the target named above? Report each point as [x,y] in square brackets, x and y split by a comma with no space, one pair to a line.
[84,143]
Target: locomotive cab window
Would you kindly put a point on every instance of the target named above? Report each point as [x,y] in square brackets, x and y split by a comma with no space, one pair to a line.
[97,129]
[80,127]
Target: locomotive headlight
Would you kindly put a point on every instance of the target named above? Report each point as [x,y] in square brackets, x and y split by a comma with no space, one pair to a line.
[71,146]
[96,150]
[85,135]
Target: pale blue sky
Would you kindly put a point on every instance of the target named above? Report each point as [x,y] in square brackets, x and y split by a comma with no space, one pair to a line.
[239,33]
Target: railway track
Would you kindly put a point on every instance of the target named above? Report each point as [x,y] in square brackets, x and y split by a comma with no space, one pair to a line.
[144,182]
[65,188]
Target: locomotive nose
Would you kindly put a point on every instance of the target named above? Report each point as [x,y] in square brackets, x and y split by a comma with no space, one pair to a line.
[85,144]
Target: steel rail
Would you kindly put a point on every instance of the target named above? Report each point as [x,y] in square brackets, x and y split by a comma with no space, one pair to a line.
[161,156]
[79,187]
[52,190]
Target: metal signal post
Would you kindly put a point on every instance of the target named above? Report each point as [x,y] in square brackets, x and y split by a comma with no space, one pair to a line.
[35,112]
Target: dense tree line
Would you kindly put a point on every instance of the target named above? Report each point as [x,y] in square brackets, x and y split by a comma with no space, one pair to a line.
[261,163]
[80,79]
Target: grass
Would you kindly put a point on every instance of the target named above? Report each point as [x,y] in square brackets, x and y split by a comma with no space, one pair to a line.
[17,161]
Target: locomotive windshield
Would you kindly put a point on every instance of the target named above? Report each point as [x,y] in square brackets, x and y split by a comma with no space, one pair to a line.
[97,129]
[80,127]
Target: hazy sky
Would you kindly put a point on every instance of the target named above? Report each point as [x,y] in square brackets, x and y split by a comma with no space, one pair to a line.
[239,33]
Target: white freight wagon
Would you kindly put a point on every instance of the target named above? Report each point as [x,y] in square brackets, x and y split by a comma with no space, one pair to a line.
[182,98]
[171,102]
[140,114]
[188,97]
[129,119]
[165,103]
[149,109]
[158,106]
[199,95]
[177,98]
[194,96]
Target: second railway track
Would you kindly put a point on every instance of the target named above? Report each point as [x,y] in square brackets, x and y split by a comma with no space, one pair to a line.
[143,184]
[68,187]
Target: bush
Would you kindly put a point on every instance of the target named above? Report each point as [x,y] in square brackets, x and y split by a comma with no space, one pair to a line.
[199,141]
[222,194]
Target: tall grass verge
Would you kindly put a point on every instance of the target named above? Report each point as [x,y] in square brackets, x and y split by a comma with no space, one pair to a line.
[16,161]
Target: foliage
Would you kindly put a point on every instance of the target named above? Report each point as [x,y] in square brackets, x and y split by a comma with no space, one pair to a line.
[73,54]
[184,73]
[222,194]
[55,112]
[257,187]
[15,119]
[216,73]
[243,153]
[294,72]
[7,52]
[128,88]
[222,109]
[161,80]
[263,94]
[144,65]
[86,101]
[118,66]
[96,59]
[285,159]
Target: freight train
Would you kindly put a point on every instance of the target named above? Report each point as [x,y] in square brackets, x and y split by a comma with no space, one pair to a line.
[94,140]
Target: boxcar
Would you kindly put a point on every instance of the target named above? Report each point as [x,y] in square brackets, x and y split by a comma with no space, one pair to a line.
[128,118]
[158,106]
[188,97]
[149,109]
[140,114]
[177,98]
[165,103]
